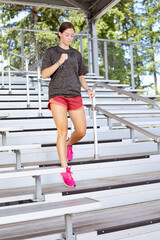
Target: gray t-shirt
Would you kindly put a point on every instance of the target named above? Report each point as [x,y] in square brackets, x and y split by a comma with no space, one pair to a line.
[65,80]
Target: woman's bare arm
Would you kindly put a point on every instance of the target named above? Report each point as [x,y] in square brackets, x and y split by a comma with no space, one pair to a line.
[47,72]
[85,86]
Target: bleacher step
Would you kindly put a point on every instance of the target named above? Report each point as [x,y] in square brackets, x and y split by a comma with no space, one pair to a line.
[49,152]
[127,186]
[106,169]
[106,189]
[80,161]
[130,222]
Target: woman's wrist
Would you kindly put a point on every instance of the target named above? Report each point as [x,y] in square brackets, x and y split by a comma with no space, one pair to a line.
[58,63]
[88,89]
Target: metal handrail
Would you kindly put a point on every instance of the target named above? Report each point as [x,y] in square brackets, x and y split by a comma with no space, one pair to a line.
[26,73]
[129,124]
[26,58]
[124,42]
[132,126]
[35,64]
[17,70]
[2,66]
[18,55]
[130,94]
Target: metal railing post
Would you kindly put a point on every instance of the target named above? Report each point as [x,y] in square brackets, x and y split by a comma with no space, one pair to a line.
[39,91]
[132,135]
[109,124]
[9,74]
[96,156]
[105,60]
[158,145]
[95,48]
[22,49]
[2,67]
[132,67]
[90,63]
[27,83]
[81,45]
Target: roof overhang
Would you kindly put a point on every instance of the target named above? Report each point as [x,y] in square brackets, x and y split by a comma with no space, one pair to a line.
[95,9]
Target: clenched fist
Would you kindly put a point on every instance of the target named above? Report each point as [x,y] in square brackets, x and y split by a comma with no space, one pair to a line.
[63,58]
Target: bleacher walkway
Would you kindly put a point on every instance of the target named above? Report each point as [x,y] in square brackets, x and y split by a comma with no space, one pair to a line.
[117,196]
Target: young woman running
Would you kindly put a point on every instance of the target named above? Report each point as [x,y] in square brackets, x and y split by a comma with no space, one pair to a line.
[66,68]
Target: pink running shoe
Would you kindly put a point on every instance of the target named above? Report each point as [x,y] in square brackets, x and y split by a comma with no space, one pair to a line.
[69,152]
[67,178]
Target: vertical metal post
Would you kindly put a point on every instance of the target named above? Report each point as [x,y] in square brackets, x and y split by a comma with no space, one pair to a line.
[132,135]
[39,197]
[90,63]
[69,227]
[158,145]
[132,67]
[4,140]
[96,156]
[106,60]
[22,49]
[90,68]
[109,123]
[2,67]
[39,91]
[9,74]
[95,48]
[27,83]
[18,159]
[81,45]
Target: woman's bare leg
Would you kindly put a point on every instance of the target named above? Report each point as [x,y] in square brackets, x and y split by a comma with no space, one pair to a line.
[60,117]
[79,121]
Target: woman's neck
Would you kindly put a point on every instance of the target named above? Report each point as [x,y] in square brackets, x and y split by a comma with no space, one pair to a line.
[66,47]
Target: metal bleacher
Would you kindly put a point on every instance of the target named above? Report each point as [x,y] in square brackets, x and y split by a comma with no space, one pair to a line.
[117,194]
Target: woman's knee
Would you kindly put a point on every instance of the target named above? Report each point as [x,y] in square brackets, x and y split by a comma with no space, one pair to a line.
[81,132]
[62,132]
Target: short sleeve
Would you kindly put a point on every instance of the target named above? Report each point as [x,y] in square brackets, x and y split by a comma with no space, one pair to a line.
[46,61]
[82,68]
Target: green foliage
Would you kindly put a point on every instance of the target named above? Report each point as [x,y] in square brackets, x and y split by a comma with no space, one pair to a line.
[78,19]
[135,21]
[35,43]
[10,11]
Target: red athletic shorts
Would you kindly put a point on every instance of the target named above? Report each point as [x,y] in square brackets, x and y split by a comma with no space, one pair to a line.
[71,103]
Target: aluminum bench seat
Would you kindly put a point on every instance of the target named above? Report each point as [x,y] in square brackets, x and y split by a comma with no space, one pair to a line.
[99,187]
[142,218]
[35,212]
[17,150]
[5,130]
[109,167]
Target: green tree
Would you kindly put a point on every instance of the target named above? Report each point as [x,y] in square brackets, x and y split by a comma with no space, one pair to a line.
[150,21]
[35,19]
[117,24]
[131,21]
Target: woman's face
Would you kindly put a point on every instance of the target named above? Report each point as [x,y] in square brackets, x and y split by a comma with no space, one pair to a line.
[67,36]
